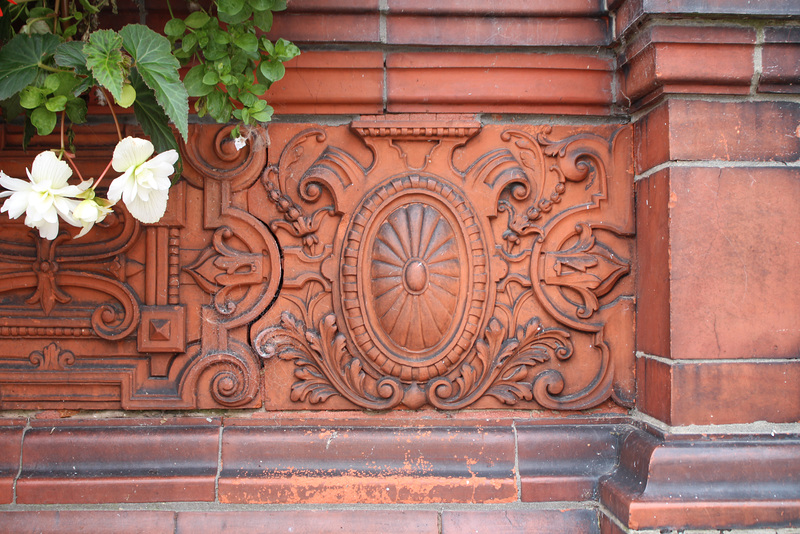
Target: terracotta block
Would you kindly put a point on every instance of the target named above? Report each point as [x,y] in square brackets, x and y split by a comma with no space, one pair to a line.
[739,131]
[608,526]
[651,138]
[758,131]
[700,483]
[328,26]
[654,388]
[780,61]
[328,82]
[653,253]
[676,59]
[561,463]
[517,8]
[319,521]
[367,465]
[461,30]
[734,392]
[562,521]
[502,83]
[121,522]
[629,13]
[734,253]
[10,447]
[113,461]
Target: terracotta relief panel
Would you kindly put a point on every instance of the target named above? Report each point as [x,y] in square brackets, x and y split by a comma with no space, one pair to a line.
[404,262]
[448,265]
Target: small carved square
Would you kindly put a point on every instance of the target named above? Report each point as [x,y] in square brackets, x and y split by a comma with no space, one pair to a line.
[162,329]
[159,329]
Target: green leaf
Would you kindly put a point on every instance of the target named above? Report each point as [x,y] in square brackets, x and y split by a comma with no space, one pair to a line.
[70,55]
[104,57]
[230,7]
[247,41]
[238,18]
[66,83]
[197,19]
[19,61]
[76,110]
[51,83]
[188,43]
[210,78]
[285,50]
[31,97]
[279,5]
[44,120]
[220,37]
[159,70]
[272,70]
[218,106]
[194,82]
[175,28]
[69,31]
[263,20]
[151,116]
[264,115]
[261,5]
[57,103]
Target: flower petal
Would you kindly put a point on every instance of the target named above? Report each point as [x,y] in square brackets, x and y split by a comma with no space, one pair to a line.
[149,211]
[15,205]
[14,184]
[47,229]
[48,169]
[117,187]
[131,152]
[65,207]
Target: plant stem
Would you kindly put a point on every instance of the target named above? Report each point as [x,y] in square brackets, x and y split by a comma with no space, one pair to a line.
[100,179]
[109,101]
[55,17]
[75,167]
[62,129]
[169,7]
[52,69]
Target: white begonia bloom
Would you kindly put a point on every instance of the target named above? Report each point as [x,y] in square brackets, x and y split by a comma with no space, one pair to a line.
[144,184]
[45,197]
[90,211]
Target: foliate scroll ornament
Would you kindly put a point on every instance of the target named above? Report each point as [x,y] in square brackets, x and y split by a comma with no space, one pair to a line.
[424,277]
[52,358]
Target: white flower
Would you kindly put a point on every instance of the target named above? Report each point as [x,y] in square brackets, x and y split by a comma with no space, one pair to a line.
[240,142]
[45,197]
[90,211]
[144,185]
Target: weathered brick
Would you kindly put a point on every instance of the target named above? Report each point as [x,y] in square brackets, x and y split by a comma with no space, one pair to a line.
[512,83]
[330,82]
[319,521]
[118,461]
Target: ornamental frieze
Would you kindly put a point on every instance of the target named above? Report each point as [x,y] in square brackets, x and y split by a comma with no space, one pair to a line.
[395,262]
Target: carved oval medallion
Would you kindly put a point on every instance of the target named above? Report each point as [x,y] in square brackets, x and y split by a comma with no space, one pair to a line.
[413,279]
